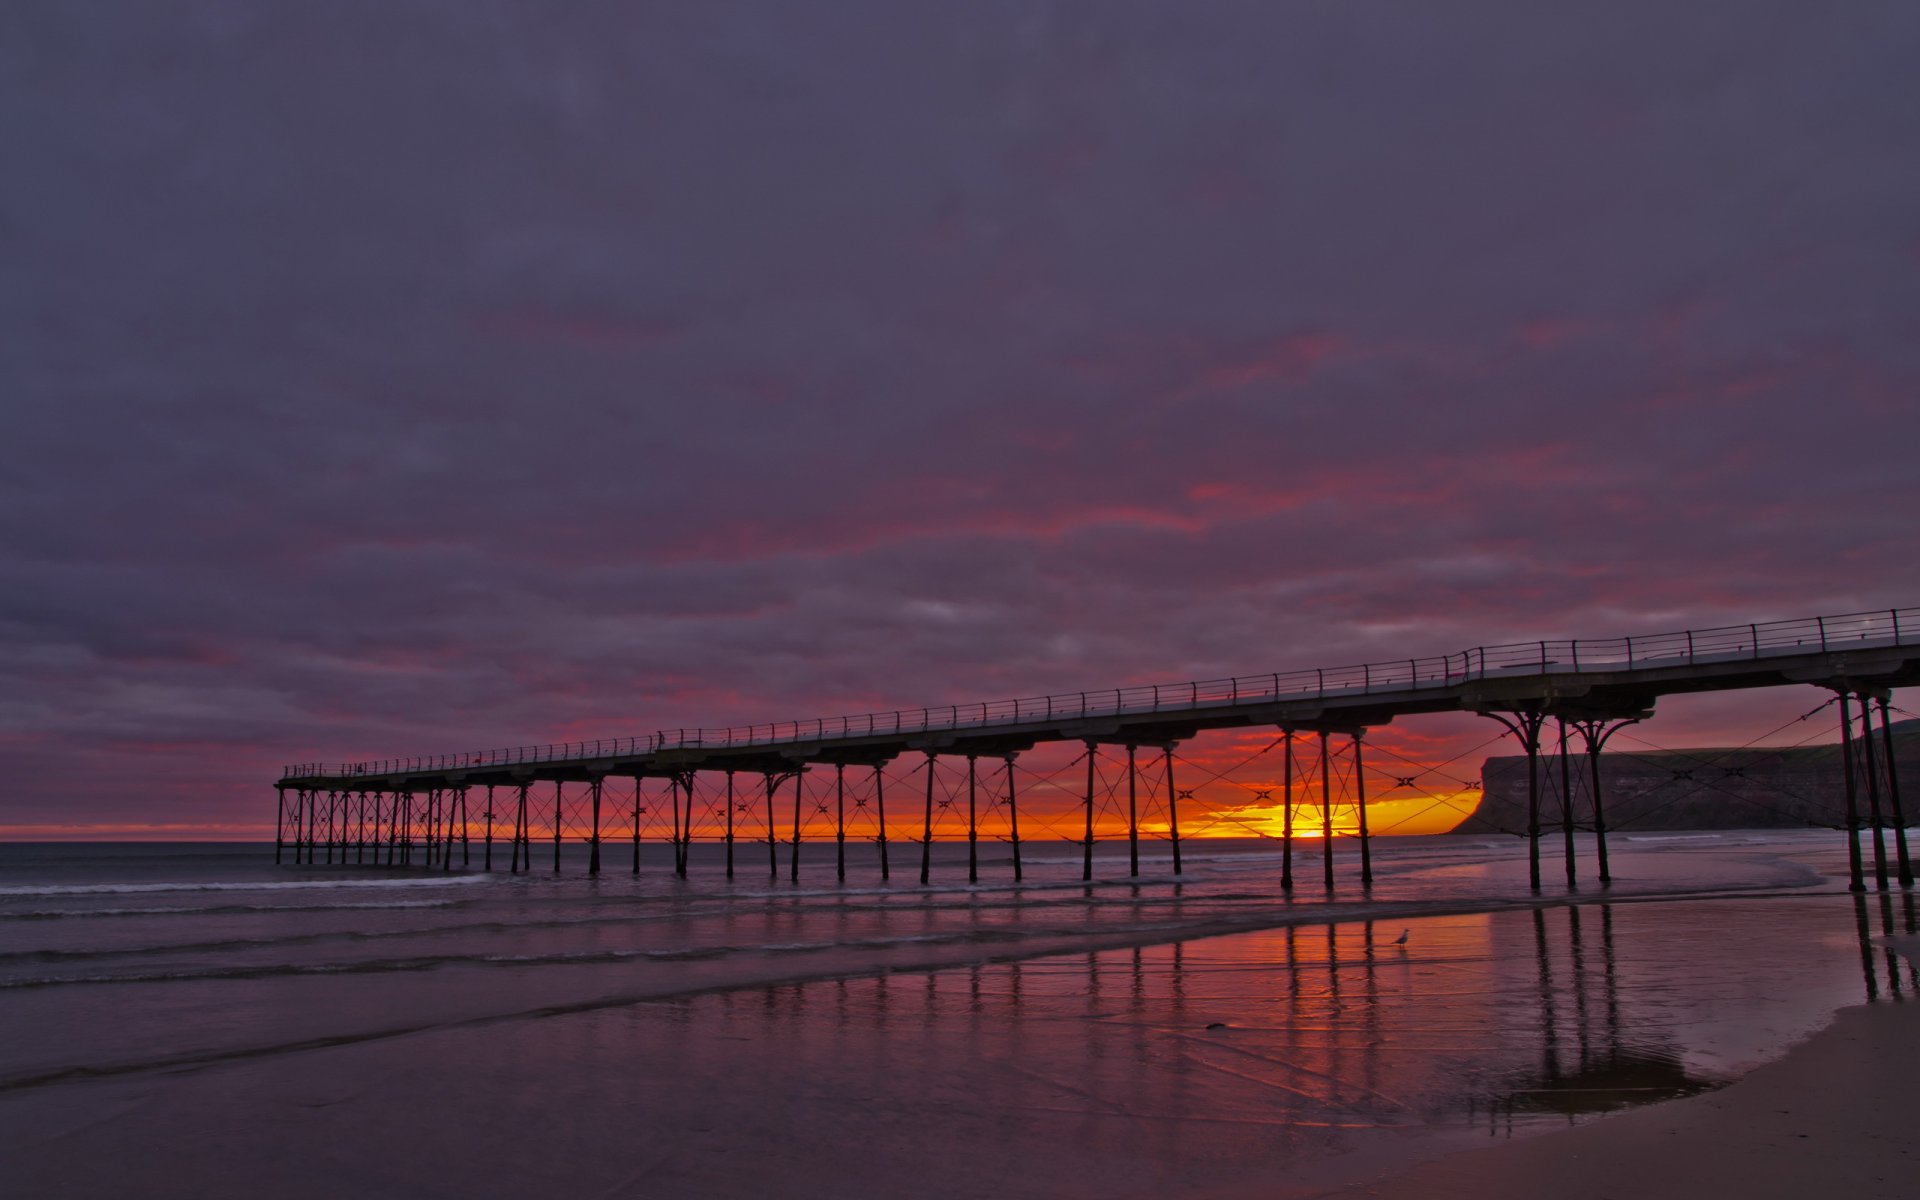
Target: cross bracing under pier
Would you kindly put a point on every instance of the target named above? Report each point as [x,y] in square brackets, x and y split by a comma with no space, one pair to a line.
[1592,686]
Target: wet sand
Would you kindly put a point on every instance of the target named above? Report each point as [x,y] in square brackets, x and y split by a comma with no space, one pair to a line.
[1835,1116]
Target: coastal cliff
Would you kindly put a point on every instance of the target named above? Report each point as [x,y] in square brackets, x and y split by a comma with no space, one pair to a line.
[1705,788]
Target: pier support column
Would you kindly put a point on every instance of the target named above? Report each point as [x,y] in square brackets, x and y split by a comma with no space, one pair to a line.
[522,847]
[1173,805]
[673,818]
[406,828]
[1326,812]
[559,814]
[636,855]
[773,837]
[1013,820]
[333,802]
[973,826]
[840,821]
[1360,801]
[488,816]
[1594,734]
[1893,799]
[593,849]
[379,802]
[1525,724]
[639,810]
[926,836]
[1133,815]
[799,797]
[360,838]
[880,803]
[1286,820]
[1873,793]
[686,824]
[1566,802]
[1856,880]
[1086,869]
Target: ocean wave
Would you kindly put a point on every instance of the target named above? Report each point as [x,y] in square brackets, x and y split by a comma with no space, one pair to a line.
[133,889]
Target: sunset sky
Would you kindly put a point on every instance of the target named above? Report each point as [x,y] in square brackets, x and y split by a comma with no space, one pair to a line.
[408,377]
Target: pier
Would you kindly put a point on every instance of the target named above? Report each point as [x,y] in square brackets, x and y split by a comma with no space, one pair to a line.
[1559,700]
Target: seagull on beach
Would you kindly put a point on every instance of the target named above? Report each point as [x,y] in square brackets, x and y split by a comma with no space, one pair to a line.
[1402,939]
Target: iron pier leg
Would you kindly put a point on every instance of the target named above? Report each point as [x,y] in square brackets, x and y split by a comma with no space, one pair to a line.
[1532,740]
[773,838]
[793,860]
[406,829]
[973,828]
[880,802]
[456,799]
[333,800]
[1286,822]
[639,806]
[673,829]
[686,826]
[489,833]
[1326,813]
[593,850]
[1133,815]
[1173,807]
[1857,880]
[926,839]
[558,817]
[299,822]
[466,839]
[1360,800]
[360,848]
[1086,869]
[840,820]
[1873,794]
[1566,800]
[1599,813]
[1893,800]
[379,800]
[279,823]
[522,847]
[1013,818]
[636,858]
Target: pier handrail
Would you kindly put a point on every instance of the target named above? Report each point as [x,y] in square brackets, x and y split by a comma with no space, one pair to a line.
[1758,640]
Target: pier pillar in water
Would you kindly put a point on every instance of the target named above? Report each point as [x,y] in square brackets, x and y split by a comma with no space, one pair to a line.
[1133,815]
[1286,818]
[926,837]
[1360,802]
[636,833]
[488,815]
[1013,819]
[1566,802]
[1326,812]
[593,851]
[522,848]
[840,821]
[773,839]
[1873,793]
[558,816]
[1086,869]
[973,826]
[880,803]
[1856,879]
[1594,733]
[1893,798]
[1173,805]
[1525,724]
[799,790]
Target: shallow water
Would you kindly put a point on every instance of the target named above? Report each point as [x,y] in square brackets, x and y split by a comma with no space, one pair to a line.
[475,1034]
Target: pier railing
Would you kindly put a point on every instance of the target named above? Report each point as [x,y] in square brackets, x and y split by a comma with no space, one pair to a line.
[1728,643]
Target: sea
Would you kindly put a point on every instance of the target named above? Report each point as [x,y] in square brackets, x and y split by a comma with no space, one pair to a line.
[197,1020]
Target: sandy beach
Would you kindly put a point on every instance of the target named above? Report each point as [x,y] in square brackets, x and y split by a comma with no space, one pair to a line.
[1833,1117]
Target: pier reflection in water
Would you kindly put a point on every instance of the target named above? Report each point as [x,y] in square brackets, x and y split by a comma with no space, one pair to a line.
[1274,1042]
